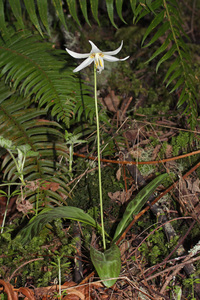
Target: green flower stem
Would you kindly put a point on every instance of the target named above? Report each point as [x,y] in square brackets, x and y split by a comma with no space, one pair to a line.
[98,154]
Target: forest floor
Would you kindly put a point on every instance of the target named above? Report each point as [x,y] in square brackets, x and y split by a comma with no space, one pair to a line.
[148,136]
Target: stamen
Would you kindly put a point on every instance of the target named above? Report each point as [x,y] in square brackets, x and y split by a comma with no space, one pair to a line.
[96,63]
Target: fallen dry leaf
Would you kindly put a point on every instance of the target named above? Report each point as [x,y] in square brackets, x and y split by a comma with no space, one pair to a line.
[193,186]
[112,101]
[119,173]
[24,206]
[50,186]
[121,196]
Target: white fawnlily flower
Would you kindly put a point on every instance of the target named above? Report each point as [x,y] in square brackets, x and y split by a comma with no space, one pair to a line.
[97,56]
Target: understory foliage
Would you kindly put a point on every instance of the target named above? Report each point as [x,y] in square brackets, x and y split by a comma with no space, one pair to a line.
[37,79]
[42,100]
[166,29]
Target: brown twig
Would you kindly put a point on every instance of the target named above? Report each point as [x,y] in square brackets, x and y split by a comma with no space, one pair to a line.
[181,265]
[153,162]
[27,262]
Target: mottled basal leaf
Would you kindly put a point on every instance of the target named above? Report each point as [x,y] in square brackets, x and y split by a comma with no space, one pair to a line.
[67,212]
[107,264]
[134,207]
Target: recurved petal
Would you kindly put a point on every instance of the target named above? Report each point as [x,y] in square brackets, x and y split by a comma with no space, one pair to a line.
[114,52]
[84,64]
[77,55]
[95,49]
[112,58]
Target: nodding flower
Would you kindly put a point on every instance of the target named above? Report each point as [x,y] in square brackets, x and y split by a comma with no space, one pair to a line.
[96,56]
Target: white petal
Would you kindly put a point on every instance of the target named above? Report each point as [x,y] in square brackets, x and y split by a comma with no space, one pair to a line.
[112,58]
[84,64]
[77,55]
[114,52]
[94,48]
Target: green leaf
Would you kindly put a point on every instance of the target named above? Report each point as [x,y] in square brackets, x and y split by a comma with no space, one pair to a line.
[83,5]
[177,85]
[16,9]
[176,74]
[161,31]
[67,212]
[38,70]
[134,207]
[157,20]
[159,50]
[119,4]
[2,18]
[5,143]
[107,264]
[142,9]
[166,56]
[110,9]
[148,3]
[94,9]
[30,6]
[43,12]
[59,11]
[72,10]
[133,5]
[172,68]
[182,98]
[21,124]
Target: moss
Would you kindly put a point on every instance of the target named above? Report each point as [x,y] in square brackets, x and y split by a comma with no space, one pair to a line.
[39,272]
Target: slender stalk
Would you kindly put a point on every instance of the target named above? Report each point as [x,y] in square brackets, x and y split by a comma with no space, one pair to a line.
[99,160]
[59,277]
[5,213]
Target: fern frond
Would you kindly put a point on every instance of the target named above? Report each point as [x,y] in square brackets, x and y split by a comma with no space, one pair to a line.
[43,13]
[23,124]
[94,8]
[37,12]
[83,5]
[180,75]
[110,10]
[31,9]
[39,71]
[119,4]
